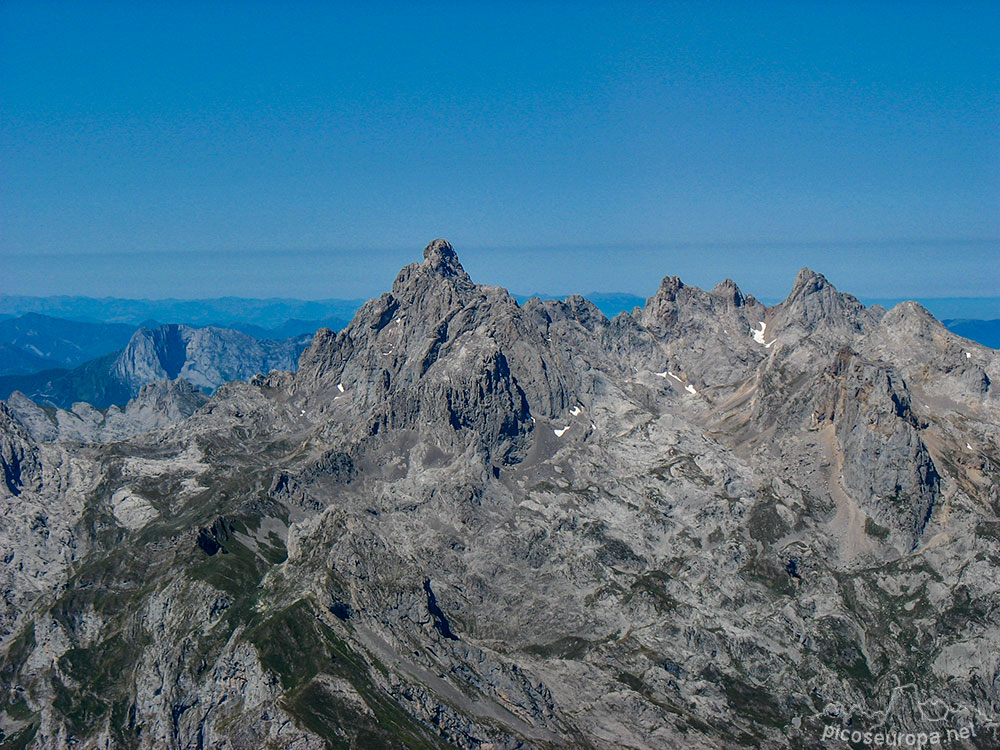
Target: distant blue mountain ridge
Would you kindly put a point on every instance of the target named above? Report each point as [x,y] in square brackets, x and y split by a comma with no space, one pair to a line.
[271,313]
[34,343]
[222,311]
[985,332]
[40,333]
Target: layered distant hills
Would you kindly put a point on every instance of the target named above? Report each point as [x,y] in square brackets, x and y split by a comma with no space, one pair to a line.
[205,357]
[36,342]
[225,312]
[58,361]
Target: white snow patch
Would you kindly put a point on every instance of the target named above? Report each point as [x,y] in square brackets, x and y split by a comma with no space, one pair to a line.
[593,426]
[968,355]
[690,388]
[340,387]
[302,413]
[560,433]
[674,377]
[758,336]
[969,446]
[661,374]
[575,411]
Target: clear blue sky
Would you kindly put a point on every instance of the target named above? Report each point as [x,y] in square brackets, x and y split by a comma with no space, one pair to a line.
[308,149]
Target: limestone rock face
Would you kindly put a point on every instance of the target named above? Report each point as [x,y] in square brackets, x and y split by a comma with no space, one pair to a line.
[205,357]
[18,455]
[464,522]
[885,463]
[714,338]
[158,404]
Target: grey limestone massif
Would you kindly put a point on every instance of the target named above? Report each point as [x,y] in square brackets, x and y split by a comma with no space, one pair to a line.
[204,357]
[465,522]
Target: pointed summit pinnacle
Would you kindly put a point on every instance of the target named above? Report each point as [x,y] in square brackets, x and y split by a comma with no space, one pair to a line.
[807,282]
[730,292]
[442,259]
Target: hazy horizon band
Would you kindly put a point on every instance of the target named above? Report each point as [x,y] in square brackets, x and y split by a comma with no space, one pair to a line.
[904,270]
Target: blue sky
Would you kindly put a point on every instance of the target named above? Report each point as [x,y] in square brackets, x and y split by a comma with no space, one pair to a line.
[309,149]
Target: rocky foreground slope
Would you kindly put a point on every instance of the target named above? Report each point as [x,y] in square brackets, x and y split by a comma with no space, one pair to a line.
[465,522]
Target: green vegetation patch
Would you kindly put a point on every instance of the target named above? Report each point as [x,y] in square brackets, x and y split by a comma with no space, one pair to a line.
[840,651]
[771,574]
[567,647]
[753,702]
[962,611]
[11,703]
[299,648]
[875,530]
[235,568]
[764,523]
[104,674]
[21,740]
[17,654]
[652,586]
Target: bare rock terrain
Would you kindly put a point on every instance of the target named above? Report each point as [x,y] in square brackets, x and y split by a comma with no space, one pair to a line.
[465,522]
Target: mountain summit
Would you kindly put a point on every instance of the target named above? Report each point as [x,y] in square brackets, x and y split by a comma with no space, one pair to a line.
[442,259]
[467,522]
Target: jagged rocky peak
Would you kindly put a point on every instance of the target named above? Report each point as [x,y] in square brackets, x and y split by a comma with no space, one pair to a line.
[575,307]
[439,277]
[669,287]
[661,309]
[814,303]
[441,257]
[584,311]
[811,287]
[448,461]
[169,396]
[159,404]
[925,349]
[154,353]
[677,307]
[909,324]
[808,281]
[728,291]
[914,315]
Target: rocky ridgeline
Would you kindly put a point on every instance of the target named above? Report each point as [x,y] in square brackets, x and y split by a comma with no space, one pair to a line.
[465,522]
[205,357]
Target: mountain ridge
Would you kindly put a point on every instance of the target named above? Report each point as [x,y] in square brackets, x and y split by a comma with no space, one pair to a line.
[464,521]
[207,357]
